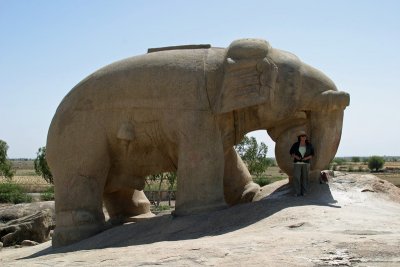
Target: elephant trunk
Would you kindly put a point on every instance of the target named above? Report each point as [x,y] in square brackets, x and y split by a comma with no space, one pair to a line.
[325,130]
[325,126]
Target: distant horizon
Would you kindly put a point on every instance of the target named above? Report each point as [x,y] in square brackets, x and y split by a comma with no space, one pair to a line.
[384,156]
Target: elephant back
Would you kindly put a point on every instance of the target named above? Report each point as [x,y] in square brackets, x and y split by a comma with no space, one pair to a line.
[170,79]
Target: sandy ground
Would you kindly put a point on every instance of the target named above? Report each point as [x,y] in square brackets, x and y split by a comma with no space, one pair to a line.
[352,221]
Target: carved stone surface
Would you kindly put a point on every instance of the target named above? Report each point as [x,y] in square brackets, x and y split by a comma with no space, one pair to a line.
[182,109]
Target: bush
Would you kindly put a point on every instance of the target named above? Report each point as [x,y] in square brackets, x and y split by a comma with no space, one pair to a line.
[261,180]
[334,166]
[160,208]
[13,193]
[355,159]
[375,163]
[339,161]
[41,167]
[48,194]
[351,169]
[273,162]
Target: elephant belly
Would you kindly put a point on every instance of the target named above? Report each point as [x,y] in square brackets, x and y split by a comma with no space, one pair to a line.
[146,162]
[131,163]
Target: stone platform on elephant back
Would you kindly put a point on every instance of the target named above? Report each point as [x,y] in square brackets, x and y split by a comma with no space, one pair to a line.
[354,220]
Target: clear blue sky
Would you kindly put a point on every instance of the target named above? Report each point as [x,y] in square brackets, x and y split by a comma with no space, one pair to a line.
[47,47]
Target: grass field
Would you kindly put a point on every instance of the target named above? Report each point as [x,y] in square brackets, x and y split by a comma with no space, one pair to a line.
[274,173]
[26,177]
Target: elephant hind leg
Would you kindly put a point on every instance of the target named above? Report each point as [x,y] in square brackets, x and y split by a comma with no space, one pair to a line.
[126,203]
[238,183]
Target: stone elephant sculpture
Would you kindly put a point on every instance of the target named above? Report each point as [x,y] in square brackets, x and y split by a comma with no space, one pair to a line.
[181,109]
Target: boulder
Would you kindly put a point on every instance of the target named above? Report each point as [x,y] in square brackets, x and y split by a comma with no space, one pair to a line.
[12,212]
[35,227]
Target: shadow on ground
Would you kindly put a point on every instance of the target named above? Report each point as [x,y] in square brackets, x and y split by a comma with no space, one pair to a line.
[169,228]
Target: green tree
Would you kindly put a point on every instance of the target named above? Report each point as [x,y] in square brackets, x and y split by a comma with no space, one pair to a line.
[254,155]
[375,163]
[155,184]
[355,159]
[5,164]
[154,179]
[171,178]
[41,167]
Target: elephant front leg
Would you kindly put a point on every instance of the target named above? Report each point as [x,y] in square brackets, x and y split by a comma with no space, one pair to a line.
[200,173]
[78,204]
[80,170]
[238,183]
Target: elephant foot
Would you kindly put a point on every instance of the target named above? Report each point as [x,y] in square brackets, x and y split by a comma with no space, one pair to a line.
[249,192]
[126,203]
[67,235]
[76,225]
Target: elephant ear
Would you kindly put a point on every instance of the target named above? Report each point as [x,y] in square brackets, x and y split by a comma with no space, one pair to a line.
[249,76]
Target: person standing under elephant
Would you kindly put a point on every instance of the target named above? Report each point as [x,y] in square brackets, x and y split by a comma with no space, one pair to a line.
[302,151]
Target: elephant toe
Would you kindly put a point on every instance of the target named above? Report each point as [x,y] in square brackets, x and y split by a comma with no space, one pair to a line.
[249,192]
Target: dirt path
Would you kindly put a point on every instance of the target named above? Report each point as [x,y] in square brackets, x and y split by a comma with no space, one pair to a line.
[353,221]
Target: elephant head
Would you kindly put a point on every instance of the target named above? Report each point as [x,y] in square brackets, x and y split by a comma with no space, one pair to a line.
[271,89]
[319,110]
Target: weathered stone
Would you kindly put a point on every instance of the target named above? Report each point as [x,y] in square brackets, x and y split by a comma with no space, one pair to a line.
[13,212]
[34,227]
[182,110]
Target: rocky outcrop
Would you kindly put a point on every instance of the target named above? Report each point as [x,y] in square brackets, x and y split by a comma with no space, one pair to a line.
[26,221]
[14,212]
[367,183]
[35,227]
